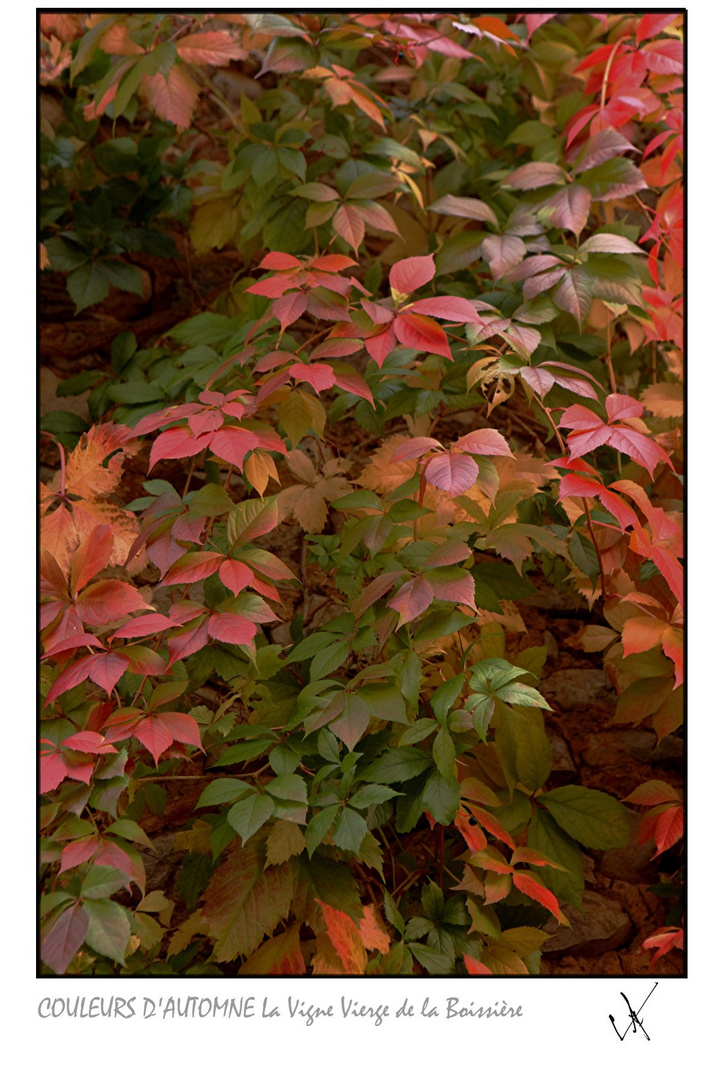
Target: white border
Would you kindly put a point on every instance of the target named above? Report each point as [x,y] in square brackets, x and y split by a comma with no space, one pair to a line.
[565,1026]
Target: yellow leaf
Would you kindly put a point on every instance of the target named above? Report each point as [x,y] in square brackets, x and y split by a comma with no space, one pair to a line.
[214,224]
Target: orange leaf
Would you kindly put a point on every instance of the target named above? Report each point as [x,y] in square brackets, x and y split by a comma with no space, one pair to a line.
[372,931]
[172,97]
[217,47]
[345,938]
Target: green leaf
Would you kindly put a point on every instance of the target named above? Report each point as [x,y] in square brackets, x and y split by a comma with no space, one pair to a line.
[547,837]
[593,818]
[289,787]
[102,881]
[520,694]
[442,797]
[247,816]
[534,755]
[109,931]
[397,764]
[130,830]
[220,791]
[329,659]
[244,902]
[444,753]
[318,828]
[87,285]
[350,831]
[372,795]
[285,840]
[444,697]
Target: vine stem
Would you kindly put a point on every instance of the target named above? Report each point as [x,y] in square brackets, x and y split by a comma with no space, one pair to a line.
[606,75]
[584,501]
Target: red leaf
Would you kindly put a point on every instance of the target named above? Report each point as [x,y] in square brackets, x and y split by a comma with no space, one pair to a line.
[664,57]
[380,345]
[651,25]
[144,625]
[105,601]
[279,260]
[642,449]
[345,938]
[492,825]
[448,553]
[374,591]
[107,670]
[187,643]
[52,770]
[318,376]
[289,308]
[234,629]
[154,735]
[446,585]
[412,599]
[235,575]
[233,443]
[475,967]
[526,883]
[195,566]
[183,728]
[408,275]
[422,333]
[78,852]
[92,555]
[472,834]
[669,828]
[453,473]
[64,938]
[620,406]
[177,443]
[89,742]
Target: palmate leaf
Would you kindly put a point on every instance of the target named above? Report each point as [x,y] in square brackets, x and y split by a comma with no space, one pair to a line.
[244,902]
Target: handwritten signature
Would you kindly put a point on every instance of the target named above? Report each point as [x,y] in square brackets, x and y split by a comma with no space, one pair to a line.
[635,1021]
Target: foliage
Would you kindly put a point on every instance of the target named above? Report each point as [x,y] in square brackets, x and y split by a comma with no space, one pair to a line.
[437,217]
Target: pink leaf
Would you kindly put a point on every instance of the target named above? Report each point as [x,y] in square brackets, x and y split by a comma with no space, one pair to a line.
[453,473]
[415,448]
[620,406]
[233,629]
[289,308]
[502,253]
[535,175]
[454,308]
[144,625]
[485,441]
